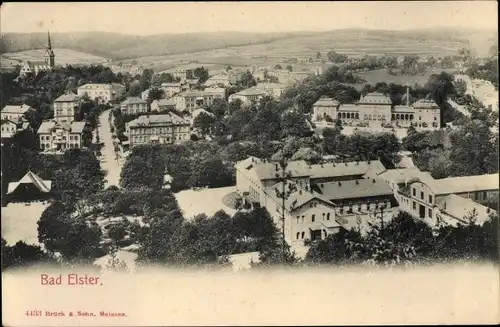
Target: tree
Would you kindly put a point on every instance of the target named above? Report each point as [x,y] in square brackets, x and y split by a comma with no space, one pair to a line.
[135,89]
[146,79]
[74,238]
[318,55]
[308,155]
[22,255]
[289,68]
[204,123]
[117,232]
[155,94]
[247,79]
[335,249]
[201,73]
[278,66]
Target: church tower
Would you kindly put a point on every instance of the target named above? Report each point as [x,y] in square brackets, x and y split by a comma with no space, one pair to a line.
[49,53]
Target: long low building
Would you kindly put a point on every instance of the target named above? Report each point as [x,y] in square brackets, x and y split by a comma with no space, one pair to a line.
[103,93]
[158,129]
[377,107]
[434,200]
[320,199]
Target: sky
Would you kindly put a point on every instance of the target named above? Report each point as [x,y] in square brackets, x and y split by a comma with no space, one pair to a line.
[188,17]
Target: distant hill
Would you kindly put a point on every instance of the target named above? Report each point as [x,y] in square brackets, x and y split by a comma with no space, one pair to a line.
[120,46]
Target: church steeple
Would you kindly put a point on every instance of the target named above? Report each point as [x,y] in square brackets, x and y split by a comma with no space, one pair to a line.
[49,45]
[49,53]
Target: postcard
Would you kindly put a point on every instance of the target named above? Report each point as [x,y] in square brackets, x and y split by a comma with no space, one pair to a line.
[249,163]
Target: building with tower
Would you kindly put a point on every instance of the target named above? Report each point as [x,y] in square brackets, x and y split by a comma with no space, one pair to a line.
[33,68]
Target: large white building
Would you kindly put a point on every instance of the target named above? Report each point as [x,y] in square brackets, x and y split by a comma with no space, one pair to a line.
[103,93]
[377,108]
[160,129]
[59,136]
[322,198]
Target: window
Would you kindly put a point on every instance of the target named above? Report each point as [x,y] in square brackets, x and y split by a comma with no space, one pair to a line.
[328,216]
[303,234]
[435,118]
[414,192]
[313,217]
[421,195]
[303,218]
[414,205]
[298,234]
[485,195]
[430,198]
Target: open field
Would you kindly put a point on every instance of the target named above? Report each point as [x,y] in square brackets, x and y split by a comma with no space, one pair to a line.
[19,222]
[381,75]
[207,201]
[63,57]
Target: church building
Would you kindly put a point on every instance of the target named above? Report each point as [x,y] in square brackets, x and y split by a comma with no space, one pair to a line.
[34,67]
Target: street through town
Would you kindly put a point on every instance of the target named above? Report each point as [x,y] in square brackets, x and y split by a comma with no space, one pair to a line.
[108,159]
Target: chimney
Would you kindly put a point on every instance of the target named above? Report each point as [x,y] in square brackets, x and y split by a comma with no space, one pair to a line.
[407,96]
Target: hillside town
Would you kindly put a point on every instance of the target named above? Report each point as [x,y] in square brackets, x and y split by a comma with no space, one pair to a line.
[190,166]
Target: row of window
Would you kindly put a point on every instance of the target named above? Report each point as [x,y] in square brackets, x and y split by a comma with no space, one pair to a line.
[159,130]
[301,219]
[429,210]
[46,146]
[8,129]
[143,138]
[429,199]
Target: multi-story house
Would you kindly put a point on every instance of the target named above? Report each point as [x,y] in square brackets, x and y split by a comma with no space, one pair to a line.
[14,113]
[172,89]
[225,79]
[103,93]
[163,129]
[325,107]
[249,96]
[323,198]
[65,107]
[163,105]
[192,100]
[275,90]
[134,106]
[427,114]
[12,127]
[59,136]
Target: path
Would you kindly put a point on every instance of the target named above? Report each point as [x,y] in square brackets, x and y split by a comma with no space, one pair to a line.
[109,164]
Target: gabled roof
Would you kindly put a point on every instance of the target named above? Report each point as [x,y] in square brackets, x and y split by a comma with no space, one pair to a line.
[252,91]
[375,98]
[297,198]
[16,109]
[31,178]
[48,126]
[67,97]
[248,163]
[353,189]
[425,104]
[352,168]
[459,207]
[405,175]
[169,118]
[465,184]
[164,102]
[326,102]
[271,170]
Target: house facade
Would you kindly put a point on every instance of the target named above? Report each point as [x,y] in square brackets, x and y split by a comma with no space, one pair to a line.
[59,136]
[65,107]
[192,100]
[163,105]
[249,96]
[171,89]
[103,93]
[134,106]
[14,113]
[158,129]
[276,90]
[378,108]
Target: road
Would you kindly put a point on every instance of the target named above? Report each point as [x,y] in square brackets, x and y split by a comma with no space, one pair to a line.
[109,162]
